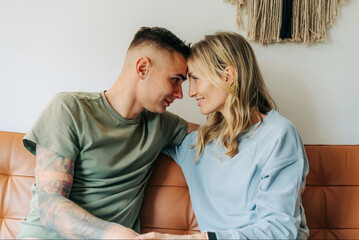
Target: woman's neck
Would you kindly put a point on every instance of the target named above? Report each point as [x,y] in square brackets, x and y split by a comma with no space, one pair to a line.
[257,116]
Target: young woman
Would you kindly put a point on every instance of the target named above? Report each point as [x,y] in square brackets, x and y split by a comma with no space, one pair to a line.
[246,166]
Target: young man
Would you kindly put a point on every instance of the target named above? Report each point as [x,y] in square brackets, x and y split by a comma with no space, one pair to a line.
[94,151]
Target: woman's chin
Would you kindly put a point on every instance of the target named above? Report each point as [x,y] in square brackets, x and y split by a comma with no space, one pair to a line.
[204,112]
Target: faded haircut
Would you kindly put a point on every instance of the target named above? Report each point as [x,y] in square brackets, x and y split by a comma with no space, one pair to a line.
[160,38]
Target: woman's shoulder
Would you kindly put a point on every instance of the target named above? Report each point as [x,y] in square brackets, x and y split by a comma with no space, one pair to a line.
[280,134]
[277,128]
[276,124]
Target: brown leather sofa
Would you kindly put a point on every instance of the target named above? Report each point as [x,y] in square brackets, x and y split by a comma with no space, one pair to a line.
[331,198]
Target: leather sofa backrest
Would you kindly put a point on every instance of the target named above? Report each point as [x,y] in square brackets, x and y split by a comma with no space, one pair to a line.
[167,206]
[16,176]
[331,198]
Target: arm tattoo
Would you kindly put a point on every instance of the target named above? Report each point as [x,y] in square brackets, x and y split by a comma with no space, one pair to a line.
[76,222]
[55,176]
[53,161]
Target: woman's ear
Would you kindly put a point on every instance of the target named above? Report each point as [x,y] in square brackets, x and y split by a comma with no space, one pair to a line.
[229,75]
[142,67]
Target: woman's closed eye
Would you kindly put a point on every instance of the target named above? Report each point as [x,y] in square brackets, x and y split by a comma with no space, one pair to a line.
[194,78]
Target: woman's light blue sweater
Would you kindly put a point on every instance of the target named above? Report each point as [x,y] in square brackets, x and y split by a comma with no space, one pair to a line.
[257,193]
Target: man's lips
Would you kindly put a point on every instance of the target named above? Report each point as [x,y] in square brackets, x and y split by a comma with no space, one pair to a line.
[168,102]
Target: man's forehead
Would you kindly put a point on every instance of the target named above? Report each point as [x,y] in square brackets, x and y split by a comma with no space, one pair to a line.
[174,63]
[180,70]
[174,57]
[178,63]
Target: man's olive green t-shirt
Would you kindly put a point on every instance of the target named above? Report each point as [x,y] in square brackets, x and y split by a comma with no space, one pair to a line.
[113,155]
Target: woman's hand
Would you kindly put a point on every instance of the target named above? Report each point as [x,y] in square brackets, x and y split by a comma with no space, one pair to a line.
[155,235]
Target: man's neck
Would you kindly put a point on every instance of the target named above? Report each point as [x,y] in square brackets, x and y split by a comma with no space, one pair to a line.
[123,100]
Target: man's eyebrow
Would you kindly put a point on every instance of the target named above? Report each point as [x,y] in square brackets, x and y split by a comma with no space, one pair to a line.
[181,76]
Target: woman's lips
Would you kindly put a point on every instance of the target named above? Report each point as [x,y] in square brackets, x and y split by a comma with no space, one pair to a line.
[199,101]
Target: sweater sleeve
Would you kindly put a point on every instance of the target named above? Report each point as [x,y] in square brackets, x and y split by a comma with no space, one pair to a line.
[278,201]
[180,152]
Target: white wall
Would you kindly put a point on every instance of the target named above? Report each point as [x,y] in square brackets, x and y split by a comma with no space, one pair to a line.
[52,46]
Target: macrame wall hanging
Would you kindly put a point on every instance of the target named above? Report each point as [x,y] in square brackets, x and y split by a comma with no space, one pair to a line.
[271,21]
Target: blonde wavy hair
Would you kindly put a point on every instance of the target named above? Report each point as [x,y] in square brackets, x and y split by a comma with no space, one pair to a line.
[247,95]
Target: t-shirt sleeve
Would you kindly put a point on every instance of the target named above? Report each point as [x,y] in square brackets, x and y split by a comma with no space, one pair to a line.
[277,204]
[174,129]
[56,128]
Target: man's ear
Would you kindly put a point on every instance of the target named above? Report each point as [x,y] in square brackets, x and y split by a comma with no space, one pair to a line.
[143,65]
[229,75]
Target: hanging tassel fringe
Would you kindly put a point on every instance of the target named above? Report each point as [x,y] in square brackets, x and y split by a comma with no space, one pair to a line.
[310,19]
[239,5]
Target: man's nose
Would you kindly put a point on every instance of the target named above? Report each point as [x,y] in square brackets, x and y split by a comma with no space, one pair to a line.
[178,93]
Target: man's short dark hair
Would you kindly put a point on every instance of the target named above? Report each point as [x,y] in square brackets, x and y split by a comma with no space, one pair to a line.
[161,38]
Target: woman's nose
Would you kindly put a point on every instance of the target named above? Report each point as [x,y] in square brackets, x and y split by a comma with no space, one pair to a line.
[191,90]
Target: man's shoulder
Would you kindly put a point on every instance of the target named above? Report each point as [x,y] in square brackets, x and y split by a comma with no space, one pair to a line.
[75,96]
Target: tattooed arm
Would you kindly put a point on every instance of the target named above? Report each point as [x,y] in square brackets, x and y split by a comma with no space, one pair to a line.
[54,179]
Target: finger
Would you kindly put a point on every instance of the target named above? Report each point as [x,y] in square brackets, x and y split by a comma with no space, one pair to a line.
[145,236]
